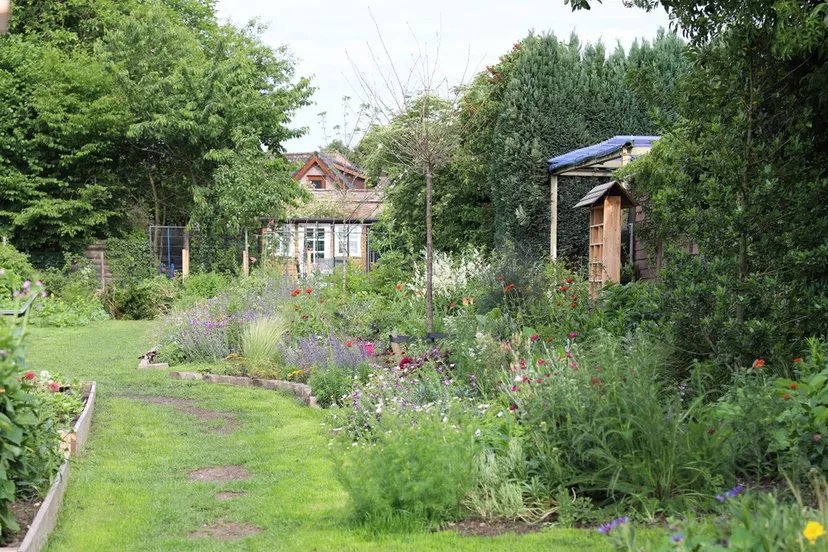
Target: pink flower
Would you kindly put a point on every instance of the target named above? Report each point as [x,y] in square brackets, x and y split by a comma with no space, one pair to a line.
[541,362]
[54,387]
[513,408]
[535,337]
[514,388]
[572,335]
[29,375]
[369,349]
[568,355]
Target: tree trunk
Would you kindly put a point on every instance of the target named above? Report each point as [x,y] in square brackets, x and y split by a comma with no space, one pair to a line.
[429,252]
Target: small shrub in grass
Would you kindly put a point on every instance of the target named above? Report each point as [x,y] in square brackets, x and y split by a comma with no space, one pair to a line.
[415,469]
[197,287]
[261,339]
[330,384]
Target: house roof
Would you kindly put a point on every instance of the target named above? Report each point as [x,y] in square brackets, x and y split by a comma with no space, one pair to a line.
[600,191]
[336,165]
[601,158]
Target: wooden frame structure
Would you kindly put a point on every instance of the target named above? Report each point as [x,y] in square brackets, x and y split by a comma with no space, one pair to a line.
[605,202]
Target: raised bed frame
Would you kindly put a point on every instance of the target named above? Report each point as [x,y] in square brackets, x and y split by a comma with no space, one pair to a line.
[47,515]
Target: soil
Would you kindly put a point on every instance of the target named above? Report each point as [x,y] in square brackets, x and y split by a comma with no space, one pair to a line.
[229,495]
[24,512]
[220,473]
[186,405]
[479,528]
[226,530]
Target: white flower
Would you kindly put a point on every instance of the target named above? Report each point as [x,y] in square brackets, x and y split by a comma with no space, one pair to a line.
[518,378]
[500,414]
[445,419]
[477,433]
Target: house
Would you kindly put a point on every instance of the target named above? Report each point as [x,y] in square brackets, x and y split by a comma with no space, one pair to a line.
[601,160]
[335,225]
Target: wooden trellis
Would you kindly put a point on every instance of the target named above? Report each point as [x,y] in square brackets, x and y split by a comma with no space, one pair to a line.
[605,203]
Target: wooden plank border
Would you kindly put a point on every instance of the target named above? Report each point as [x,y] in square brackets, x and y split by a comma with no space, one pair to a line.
[47,515]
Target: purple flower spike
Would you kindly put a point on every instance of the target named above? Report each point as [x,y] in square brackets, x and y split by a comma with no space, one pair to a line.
[677,537]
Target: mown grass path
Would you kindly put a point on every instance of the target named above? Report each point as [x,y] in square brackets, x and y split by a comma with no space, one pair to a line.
[131,489]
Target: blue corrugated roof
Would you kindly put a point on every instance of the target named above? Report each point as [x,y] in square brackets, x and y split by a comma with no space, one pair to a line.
[607,147]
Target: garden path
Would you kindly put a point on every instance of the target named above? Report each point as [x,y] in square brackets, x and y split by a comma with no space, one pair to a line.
[185,465]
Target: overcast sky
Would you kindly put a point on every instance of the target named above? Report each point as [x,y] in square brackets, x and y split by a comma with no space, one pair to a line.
[322,33]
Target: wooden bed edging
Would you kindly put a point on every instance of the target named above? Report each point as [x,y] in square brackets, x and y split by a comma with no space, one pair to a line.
[301,390]
[46,519]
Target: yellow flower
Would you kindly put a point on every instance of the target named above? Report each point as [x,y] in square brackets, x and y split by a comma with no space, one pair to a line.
[2,390]
[813,531]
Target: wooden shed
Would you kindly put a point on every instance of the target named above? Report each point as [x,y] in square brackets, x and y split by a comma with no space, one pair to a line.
[605,203]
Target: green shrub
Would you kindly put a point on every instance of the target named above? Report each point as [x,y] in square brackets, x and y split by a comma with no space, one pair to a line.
[606,426]
[141,300]
[16,268]
[330,384]
[73,296]
[130,259]
[29,442]
[261,339]
[412,472]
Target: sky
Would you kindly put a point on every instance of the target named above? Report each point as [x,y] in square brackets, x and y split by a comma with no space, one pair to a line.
[323,34]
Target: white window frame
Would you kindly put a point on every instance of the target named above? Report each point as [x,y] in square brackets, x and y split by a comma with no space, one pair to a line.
[354,234]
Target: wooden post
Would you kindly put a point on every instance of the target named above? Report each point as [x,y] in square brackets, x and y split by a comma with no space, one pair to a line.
[185,255]
[612,238]
[553,218]
[245,258]
[103,270]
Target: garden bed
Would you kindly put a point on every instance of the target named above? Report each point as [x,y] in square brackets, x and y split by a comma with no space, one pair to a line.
[37,519]
[301,390]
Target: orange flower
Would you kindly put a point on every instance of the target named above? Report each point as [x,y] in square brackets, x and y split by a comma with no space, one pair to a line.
[792,386]
[569,280]
[758,363]
[798,359]
[558,304]
[500,278]
[563,288]
[399,286]
[348,343]
[573,305]
[510,287]
[308,290]
[785,397]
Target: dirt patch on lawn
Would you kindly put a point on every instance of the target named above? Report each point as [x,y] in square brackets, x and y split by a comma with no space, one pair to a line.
[478,528]
[220,473]
[186,405]
[226,530]
[229,495]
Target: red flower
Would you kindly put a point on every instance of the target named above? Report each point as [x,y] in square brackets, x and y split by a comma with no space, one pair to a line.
[321,300]
[595,380]
[525,379]
[406,361]
[574,305]
[785,397]
[500,278]
[513,408]
[452,304]
[348,343]
[54,387]
[29,375]
[792,386]
[758,363]
[558,304]
[548,376]
[563,288]
[398,286]
[510,287]
[798,359]
[305,317]
[569,280]
[549,340]
[296,292]
[308,290]
[540,380]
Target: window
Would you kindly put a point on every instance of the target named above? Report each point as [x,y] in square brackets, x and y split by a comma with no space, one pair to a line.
[349,237]
[317,182]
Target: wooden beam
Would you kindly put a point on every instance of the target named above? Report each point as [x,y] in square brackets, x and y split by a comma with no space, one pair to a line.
[553,219]
[185,255]
[612,238]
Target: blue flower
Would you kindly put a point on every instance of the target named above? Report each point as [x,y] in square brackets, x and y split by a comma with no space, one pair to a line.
[677,537]
[607,527]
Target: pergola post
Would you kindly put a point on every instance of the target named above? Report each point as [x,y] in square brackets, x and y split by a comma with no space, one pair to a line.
[553,219]
[612,238]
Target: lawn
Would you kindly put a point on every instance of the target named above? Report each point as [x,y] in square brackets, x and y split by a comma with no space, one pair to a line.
[131,490]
